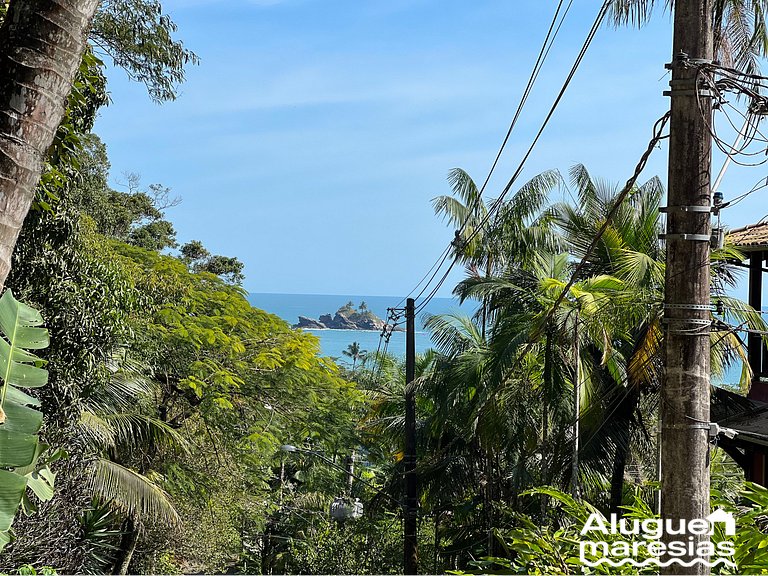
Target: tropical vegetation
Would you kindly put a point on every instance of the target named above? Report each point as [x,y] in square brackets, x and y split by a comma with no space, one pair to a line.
[153,421]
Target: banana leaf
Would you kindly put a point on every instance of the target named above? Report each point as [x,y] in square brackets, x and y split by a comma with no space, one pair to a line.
[20,449]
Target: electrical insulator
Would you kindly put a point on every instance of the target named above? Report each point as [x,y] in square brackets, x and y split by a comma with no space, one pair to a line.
[717,239]
[720,308]
[717,198]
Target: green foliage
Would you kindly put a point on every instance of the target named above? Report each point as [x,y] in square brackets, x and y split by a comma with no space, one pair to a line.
[194,251]
[63,164]
[240,382]
[356,315]
[132,493]
[134,216]
[20,449]
[29,570]
[61,267]
[199,259]
[750,508]
[156,235]
[496,400]
[103,539]
[363,547]
[356,353]
[138,36]
[740,27]
[211,535]
[553,548]
[166,563]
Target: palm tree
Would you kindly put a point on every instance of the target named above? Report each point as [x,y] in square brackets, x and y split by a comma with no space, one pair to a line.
[630,251]
[613,310]
[497,407]
[42,45]
[488,240]
[529,332]
[740,31]
[117,421]
[356,353]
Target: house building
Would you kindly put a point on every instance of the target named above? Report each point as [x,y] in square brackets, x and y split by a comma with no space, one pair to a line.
[748,417]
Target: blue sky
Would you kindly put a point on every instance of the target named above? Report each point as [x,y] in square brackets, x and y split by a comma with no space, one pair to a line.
[312,136]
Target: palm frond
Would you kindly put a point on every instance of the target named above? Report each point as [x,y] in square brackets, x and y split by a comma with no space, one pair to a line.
[633,12]
[131,492]
[96,430]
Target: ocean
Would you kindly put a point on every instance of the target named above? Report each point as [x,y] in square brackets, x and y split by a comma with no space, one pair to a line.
[332,342]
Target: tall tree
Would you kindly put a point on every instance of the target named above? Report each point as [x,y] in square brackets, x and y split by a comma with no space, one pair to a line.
[355,352]
[487,241]
[41,44]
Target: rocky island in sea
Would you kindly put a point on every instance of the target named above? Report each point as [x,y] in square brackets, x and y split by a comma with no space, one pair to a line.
[348,317]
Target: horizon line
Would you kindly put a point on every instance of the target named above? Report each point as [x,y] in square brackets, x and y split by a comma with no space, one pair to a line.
[345,295]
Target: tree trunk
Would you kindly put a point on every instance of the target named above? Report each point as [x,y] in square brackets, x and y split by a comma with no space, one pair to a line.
[436,552]
[626,410]
[575,490]
[488,271]
[617,477]
[548,359]
[41,45]
[349,466]
[127,547]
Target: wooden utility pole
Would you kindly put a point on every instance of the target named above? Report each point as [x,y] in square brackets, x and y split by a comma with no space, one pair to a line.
[410,543]
[685,391]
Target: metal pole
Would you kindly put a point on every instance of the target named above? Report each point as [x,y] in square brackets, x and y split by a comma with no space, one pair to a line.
[754,341]
[349,465]
[685,391]
[410,543]
[576,409]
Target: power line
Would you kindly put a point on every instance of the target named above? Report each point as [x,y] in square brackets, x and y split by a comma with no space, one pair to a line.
[531,81]
[628,187]
[590,36]
[499,201]
[393,315]
[552,32]
[436,266]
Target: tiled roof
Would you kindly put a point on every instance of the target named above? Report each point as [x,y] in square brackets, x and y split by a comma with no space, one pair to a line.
[752,236]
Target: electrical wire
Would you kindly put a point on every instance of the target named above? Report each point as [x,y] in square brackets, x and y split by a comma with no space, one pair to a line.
[620,198]
[531,81]
[500,200]
[720,81]
[552,32]
[616,401]
[393,315]
[759,185]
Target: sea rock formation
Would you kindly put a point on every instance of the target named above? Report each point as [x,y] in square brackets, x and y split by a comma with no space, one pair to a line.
[346,318]
[309,323]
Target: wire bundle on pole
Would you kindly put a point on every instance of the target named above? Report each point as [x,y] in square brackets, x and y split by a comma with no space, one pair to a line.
[394,315]
[718,82]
